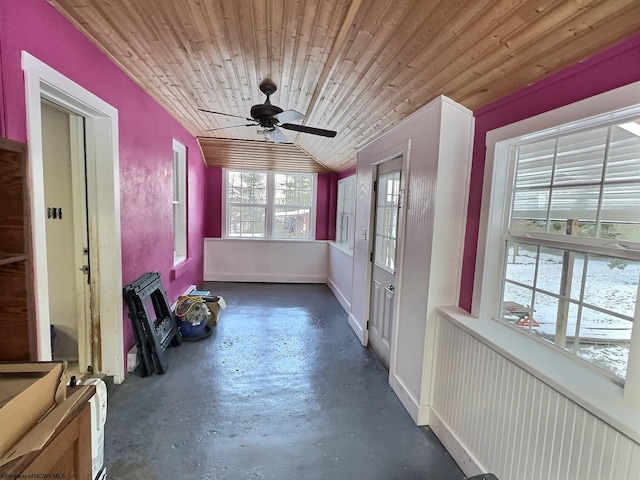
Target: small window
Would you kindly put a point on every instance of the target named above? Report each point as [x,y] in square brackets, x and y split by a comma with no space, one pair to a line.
[345,212]
[179,203]
[270,205]
[571,264]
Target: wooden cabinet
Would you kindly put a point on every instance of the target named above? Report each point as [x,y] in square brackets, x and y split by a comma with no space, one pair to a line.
[17,334]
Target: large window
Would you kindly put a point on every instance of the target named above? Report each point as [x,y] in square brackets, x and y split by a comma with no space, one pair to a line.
[270,205]
[179,202]
[571,240]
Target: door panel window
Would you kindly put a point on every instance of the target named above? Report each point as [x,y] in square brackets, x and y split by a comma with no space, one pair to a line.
[387,220]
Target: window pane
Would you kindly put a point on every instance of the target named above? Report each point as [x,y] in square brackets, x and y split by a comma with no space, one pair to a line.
[529,213]
[624,153]
[246,222]
[545,315]
[579,203]
[621,203]
[293,189]
[344,228]
[344,222]
[387,201]
[550,268]
[535,164]
[580,157]
[516,302]
[603,340]
[291,222]
[247,187]
[611,283]
[520,263]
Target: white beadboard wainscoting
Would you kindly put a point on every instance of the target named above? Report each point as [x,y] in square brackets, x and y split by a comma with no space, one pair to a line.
[339,277]
[286,261]
[523,412]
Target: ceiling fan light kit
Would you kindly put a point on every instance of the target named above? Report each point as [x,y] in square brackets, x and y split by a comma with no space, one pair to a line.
[272,118]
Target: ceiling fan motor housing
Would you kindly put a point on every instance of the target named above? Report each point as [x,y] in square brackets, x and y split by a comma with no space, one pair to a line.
[264,112]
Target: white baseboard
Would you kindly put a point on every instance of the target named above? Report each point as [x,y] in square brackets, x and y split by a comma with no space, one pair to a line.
[465,460]
[338,294]
[263,278]
[359,331]
[132,359]
[419,413]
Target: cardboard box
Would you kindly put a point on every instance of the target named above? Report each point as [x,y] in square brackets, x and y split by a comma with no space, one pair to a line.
[215,305]
[28,391]
[38,436]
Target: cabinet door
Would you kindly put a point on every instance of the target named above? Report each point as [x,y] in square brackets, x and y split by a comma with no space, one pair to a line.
[15,344]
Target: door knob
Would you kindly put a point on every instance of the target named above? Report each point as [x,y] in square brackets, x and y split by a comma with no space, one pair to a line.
[391,287]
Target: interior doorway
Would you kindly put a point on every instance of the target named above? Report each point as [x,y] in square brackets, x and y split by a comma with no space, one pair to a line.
[387,192]
[103,192]
[67,237]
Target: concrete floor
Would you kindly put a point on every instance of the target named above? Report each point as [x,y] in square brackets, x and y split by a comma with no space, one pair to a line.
[281,390]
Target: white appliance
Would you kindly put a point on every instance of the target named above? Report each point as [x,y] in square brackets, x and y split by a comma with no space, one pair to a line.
[98,418]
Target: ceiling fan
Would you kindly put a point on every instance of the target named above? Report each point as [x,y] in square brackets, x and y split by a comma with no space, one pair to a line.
[272,118]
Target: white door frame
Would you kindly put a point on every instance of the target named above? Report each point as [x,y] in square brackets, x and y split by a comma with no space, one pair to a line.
[376,270]
[41,81]
[403,150]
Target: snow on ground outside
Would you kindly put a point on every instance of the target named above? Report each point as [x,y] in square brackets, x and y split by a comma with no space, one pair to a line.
[604,338]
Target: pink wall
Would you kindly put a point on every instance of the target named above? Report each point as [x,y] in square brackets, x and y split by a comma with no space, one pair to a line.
[613,68]
[145,138]
[347,173]
[213,223]
[325,205]
[326,201]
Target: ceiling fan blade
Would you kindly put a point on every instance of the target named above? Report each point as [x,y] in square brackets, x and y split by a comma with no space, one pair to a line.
[311,130]
[278,136]
[225,114]
[232,126]
[289,116]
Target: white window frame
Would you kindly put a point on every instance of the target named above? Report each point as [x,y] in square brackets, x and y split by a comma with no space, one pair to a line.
[346,212]
[179,202]
[614,106]
[270,206]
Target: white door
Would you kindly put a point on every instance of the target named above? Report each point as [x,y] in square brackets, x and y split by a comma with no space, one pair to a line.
[385,244]
[66,235]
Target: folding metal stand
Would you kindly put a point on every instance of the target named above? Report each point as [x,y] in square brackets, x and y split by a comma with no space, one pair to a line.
[154,330]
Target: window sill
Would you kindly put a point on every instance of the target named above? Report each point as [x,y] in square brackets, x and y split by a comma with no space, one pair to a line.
[592,391]
[342,247]
[180,268]
[274,240]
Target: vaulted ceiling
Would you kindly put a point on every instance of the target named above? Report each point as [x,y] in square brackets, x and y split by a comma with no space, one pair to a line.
[355,66]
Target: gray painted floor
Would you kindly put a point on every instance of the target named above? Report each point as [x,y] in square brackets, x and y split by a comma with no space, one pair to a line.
[281,390]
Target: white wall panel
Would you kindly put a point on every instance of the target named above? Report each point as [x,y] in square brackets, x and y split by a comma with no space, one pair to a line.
[493,415]
[339,276]
[435,143]
[361,247]
[265,261]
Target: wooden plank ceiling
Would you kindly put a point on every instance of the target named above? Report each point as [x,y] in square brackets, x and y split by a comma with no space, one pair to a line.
[358,67]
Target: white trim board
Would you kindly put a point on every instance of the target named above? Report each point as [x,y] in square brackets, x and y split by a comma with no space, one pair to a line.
[42,81]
